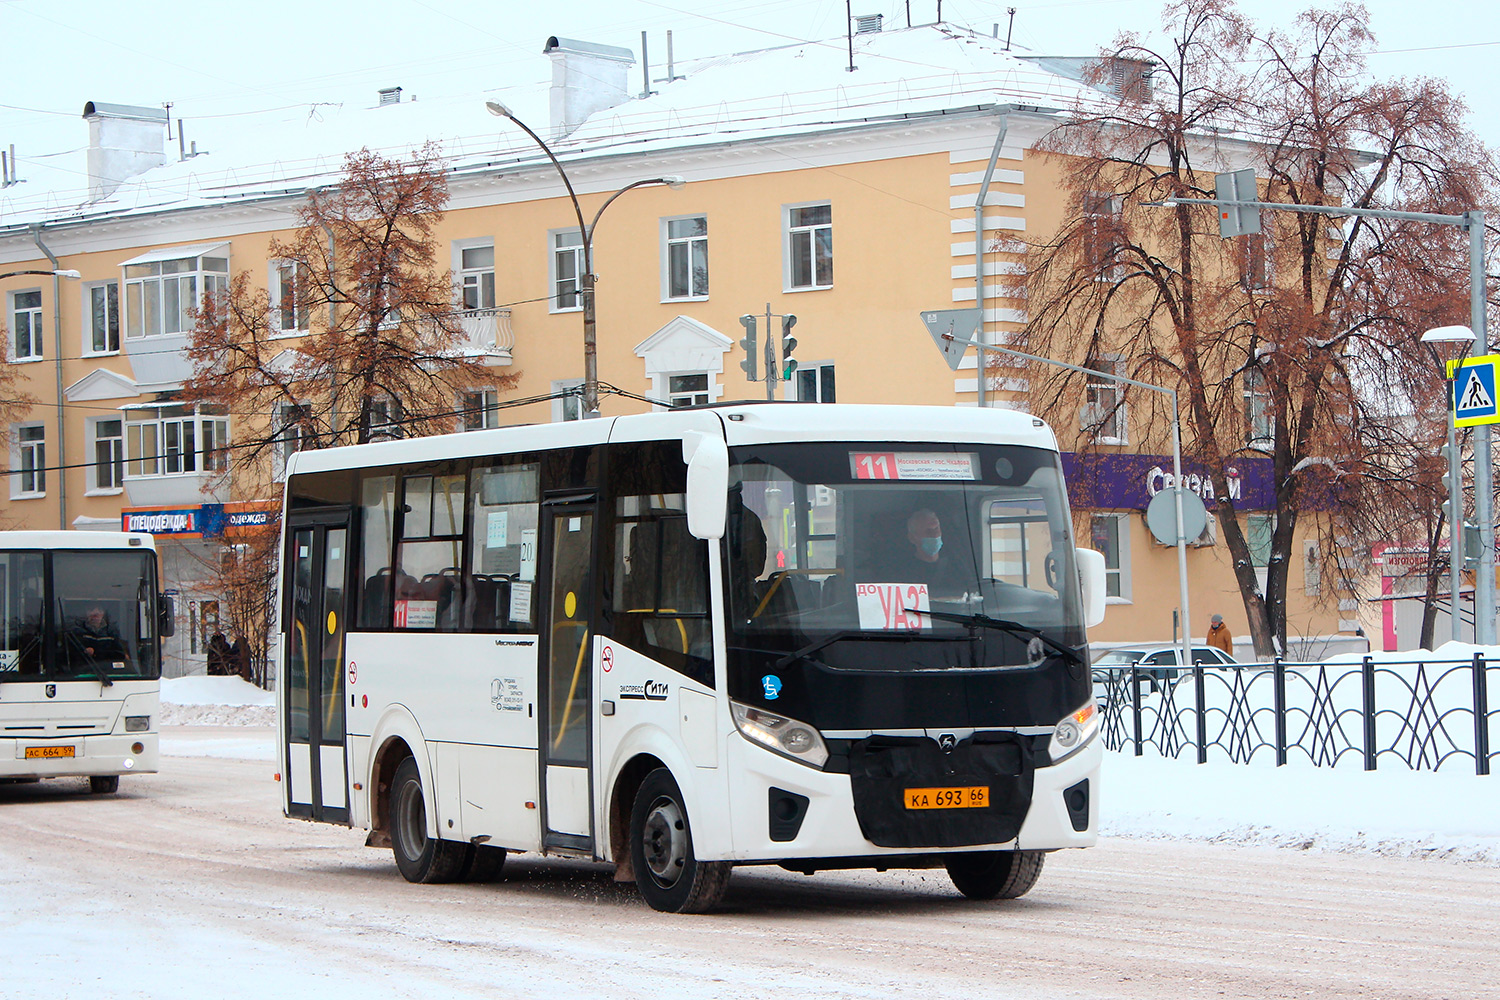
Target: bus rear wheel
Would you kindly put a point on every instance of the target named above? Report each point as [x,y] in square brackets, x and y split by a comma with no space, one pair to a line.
[419,857]
[670,878]
[995,874]
[104,784]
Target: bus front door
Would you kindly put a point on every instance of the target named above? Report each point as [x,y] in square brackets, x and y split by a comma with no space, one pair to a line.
[567,674]
[313,637]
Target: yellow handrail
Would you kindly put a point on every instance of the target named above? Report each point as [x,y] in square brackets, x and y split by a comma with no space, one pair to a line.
[562,728]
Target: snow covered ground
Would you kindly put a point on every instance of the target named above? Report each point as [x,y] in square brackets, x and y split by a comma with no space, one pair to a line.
[1393,811]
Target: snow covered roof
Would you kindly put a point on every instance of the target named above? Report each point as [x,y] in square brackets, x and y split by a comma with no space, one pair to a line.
[799,89]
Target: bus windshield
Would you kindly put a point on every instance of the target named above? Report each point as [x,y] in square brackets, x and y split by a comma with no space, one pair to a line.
[836,542]
[93,615]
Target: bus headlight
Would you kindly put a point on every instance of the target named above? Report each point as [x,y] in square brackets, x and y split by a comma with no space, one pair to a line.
[788,737]
[1074,733]
[137,723]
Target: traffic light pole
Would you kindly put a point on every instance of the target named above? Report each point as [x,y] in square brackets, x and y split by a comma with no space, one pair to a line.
[1484,473]
[774,372]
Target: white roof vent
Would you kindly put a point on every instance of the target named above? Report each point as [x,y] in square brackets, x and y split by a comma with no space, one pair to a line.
[390,95]
[867,24]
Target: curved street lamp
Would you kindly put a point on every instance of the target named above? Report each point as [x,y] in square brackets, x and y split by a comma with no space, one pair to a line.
[1455,341]
[586,235]
[59,274]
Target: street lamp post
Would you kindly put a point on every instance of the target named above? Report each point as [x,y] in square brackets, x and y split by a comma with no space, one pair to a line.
[58,274]
[1454,336]
[586,236]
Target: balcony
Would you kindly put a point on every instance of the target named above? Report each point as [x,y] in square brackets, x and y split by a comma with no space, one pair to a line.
[487,336]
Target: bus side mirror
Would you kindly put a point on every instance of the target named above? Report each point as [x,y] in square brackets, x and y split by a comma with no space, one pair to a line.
[1091,577]
[707,458]
[167,615]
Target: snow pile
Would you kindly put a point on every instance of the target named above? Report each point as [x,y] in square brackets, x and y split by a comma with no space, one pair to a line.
[1446,814]
[215,701]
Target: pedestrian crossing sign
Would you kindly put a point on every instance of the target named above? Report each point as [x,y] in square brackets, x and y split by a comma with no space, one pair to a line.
[1473,387]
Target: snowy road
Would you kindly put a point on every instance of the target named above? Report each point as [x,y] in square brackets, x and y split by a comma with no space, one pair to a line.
[191,884]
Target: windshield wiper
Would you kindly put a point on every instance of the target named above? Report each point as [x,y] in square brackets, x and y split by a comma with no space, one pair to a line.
[1014,628]
[829,640]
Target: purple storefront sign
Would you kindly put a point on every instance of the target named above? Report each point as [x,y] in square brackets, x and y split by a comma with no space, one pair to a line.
[1128,482]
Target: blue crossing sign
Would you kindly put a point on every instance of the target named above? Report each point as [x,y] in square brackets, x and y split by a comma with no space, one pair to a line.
[1474,397]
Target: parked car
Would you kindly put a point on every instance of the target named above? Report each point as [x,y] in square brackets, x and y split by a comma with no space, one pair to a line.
[1159,663]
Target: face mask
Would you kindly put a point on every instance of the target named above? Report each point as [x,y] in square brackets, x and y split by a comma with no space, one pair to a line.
[932,546]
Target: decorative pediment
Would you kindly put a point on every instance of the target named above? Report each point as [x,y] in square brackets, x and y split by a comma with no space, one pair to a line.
[101,384]
[684,344]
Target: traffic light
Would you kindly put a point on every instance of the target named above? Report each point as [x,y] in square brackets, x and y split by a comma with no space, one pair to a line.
[1471,546]
[748,343]
[1450,491]
[788,345]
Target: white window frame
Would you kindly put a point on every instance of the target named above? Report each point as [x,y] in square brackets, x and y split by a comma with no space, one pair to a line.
[1121,573]
[385,419]
[687,244]
[467,279]
[29,460]
[568,407]
[149,429]
[487,414]
[35,325]
[556,252]
[1105,415]
[276,284]
[287,443]
[1312,568]
[151,284]
[1260,418]
[794,234]
[1262,569]
[88,349]
[1098,206]
[93,484]
[822,372]
[681,395]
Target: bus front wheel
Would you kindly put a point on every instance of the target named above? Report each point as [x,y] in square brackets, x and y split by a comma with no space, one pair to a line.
[104,784]
[670,878]
[419,857]
[995,874]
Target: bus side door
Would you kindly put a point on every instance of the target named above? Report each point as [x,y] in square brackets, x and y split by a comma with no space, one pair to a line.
[567,629]
[313,636]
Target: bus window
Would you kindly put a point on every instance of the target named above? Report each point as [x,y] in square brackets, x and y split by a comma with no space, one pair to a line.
[21,605]
[378,524]
[97,597]
[661,585]
[428,591]
[503,517]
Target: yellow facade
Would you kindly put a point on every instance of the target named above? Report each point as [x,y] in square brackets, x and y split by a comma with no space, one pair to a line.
[901,199]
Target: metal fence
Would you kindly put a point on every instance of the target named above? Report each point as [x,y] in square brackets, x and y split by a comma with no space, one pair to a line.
[1426,714]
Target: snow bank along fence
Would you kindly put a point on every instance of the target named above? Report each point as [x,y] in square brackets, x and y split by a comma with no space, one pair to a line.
[1426,714]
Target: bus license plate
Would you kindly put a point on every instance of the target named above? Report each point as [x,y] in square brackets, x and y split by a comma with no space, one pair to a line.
[49,751]
[970,797]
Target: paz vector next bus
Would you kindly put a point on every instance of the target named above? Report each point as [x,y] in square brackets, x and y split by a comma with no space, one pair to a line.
[817,636]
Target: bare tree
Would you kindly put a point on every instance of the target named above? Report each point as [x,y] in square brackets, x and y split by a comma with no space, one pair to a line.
[384,352]
[1276,344]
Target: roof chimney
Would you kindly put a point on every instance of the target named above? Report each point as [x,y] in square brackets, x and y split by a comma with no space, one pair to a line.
[123,141]
[389,95]
[585,78]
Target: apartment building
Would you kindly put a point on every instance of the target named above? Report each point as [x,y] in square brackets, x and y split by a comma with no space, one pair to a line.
[854,201]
